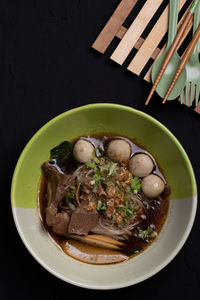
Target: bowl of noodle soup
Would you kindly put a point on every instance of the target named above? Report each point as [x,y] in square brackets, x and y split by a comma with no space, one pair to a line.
[119,201]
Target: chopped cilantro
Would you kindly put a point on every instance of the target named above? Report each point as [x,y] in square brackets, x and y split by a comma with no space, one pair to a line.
[70,196]
[125,211]
[112,168]
[119,192]
[109,168]
[101,205]
[96,160]
[113,218]
[98,178]
[128,189]
[109,183]
[72,187]
[135,185]
[129,208]
[118,183]
[144,234]
[91,165]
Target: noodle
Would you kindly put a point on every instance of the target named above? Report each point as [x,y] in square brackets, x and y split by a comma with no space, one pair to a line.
[122,232]
[105,226]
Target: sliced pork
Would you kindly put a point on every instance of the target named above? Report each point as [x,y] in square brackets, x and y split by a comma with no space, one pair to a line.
[83,220]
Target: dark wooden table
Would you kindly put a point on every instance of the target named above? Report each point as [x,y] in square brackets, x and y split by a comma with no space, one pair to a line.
[47,66]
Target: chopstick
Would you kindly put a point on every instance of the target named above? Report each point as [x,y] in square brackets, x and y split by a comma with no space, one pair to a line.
[173,48]
[184,61]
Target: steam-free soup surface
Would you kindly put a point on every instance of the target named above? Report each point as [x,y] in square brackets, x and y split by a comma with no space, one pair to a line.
[93,205]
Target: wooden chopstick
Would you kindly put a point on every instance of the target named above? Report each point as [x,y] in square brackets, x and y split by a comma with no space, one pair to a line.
[184,61]
[171,51]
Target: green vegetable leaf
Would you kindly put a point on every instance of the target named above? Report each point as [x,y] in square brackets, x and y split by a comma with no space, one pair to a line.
[144,234]
[61,153]
[136,185]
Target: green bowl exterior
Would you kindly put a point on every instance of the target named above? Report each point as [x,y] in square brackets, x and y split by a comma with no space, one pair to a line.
[108,118]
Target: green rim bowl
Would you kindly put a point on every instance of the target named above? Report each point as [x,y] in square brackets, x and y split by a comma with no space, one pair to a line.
[145,130]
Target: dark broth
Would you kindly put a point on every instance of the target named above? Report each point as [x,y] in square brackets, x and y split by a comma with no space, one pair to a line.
[157,211]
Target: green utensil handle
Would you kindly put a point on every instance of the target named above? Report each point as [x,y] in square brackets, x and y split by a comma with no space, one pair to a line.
[173,21]
[173,48]
[184,60]
[195,26]
[194,5]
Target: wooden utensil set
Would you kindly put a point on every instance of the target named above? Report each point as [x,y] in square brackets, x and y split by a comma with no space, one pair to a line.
[148,49]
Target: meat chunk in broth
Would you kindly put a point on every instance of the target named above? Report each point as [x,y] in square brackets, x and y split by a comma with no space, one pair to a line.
[83,220]
[57,187]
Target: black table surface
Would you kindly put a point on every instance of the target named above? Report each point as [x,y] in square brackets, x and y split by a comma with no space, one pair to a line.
[47,66]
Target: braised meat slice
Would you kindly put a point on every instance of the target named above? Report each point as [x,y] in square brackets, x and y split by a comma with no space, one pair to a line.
[58,183]
[83,220]
[57,187]
[58,222]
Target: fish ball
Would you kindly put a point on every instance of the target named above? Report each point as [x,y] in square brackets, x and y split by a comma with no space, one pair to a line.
[119,150]
[141,165]
[152,186]
[83,151]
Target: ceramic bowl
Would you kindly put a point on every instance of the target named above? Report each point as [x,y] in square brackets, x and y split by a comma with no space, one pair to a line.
[159,141]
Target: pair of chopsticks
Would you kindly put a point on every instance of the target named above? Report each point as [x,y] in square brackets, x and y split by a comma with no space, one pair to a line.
[171,51]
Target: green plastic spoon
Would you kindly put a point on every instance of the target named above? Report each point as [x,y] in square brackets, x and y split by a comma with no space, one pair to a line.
[175,61]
